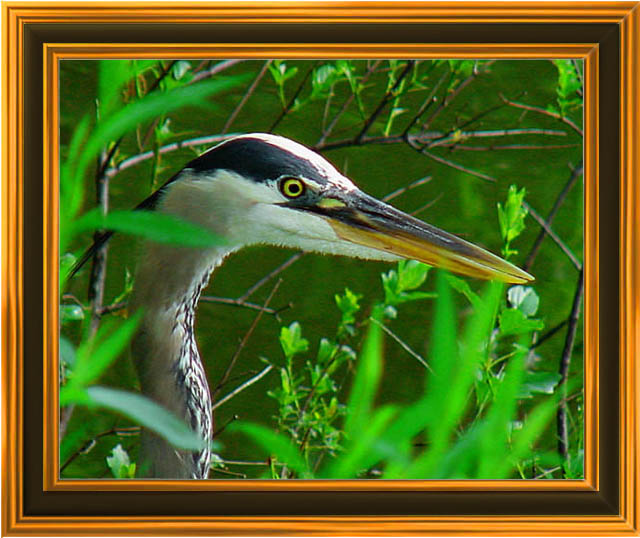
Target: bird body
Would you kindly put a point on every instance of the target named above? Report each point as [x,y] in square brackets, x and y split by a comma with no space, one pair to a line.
[258,189]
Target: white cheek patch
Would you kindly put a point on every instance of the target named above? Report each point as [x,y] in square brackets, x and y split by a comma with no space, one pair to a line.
[284,227]
[234,188]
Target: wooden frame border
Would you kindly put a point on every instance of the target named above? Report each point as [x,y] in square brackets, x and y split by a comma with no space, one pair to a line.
[625,14]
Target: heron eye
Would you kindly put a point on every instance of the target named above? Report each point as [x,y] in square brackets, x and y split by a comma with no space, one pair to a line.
[292,187]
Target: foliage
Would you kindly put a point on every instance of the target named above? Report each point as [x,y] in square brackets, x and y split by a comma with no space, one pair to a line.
[468,411]
[84,364]
[475,403]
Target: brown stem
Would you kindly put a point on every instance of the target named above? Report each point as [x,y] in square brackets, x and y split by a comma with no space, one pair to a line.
[244,341]
[544,112]
[565,364]
[575,174]
[388,96]
[556,238]
[292,101]
[246,96]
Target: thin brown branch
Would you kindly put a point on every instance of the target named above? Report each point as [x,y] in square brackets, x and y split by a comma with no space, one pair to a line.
[383,103]
[544,112]
[575,174]
[236,302]
[189,143]
[426,104]
[402,190]
[455,165]
[87,446]
[244,341]
[461,147]
[242,387]
[292,101]
[427,205]
[246,96]
[565,364]
[271,275]
[556,239]
[224,426]
[402,344]
[327,132]
[452,95]
[218,68]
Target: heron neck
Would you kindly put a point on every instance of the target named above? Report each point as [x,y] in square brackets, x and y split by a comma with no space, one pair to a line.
[168,284]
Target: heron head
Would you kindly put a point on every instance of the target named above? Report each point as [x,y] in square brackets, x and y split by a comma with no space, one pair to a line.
[266,189]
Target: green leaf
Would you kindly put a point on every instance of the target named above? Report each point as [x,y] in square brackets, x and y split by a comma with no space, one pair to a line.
[67,352]
[180,69]
[149,107]
[276,445]
[411,274]
[147,413]
[71,312]
[367,379]
[462,286]
[358,454]
[539,383]
[511,216]
[524,298]
[158,227]
[513,321]
[397,285]
[291,340]
[120,464]
[112,76]
[95,355]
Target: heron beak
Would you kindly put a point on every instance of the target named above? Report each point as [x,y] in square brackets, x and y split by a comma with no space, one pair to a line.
[364,220]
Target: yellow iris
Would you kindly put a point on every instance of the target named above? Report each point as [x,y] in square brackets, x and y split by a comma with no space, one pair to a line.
[292,187]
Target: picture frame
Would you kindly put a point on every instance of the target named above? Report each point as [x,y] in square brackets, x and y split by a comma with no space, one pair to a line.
[38,35]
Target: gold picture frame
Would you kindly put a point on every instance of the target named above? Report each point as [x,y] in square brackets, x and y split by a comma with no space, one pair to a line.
[21,21]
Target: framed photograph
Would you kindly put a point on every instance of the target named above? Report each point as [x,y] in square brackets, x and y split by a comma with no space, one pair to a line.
[342,268]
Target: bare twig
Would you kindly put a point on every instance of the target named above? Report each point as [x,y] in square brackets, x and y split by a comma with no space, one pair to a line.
[427,205]
[574,260]
[544,112]
[565,363]
[548,334]
[575,174]
[218,68]
[461,147]
[402,344]
[237,302]
[224,426]
[141,157]
[246,96]
[269,276]
[402,190]
[242,387]
[244,341]
[387,97]
[87,446]
[431,98]
[452,95]
[345,106]
[455,165]
[292,101]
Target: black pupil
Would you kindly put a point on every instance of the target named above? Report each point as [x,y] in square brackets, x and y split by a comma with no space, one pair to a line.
[294,187]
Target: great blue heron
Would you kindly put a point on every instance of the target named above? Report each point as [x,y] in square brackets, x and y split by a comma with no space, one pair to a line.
[259,189]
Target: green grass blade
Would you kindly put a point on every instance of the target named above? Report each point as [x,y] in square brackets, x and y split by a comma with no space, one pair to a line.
[94,356]
[276,445]
[158,227]
[147,413]
[367,379]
